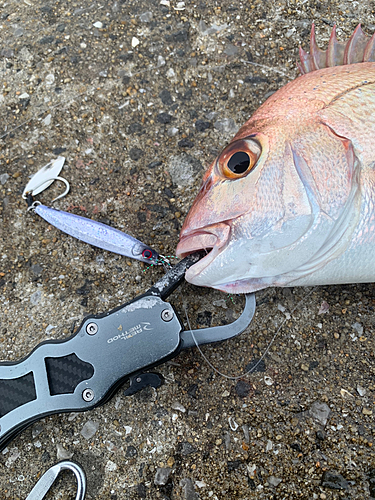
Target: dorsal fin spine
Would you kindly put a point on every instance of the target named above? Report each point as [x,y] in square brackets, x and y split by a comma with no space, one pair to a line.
[359,48]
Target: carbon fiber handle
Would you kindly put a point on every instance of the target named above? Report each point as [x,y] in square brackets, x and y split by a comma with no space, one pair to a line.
[83,371]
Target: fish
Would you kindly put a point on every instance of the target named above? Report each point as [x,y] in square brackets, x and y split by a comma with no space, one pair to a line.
[291,200]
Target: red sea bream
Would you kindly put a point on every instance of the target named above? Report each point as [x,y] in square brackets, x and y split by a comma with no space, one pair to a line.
[290,201]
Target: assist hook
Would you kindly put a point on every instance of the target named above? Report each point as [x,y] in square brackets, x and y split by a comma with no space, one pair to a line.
[44,178]
[48,182]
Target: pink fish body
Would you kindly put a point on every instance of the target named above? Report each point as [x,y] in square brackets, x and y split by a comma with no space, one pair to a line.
[290,201]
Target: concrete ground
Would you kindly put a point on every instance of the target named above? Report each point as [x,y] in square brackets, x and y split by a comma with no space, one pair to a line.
[140,96]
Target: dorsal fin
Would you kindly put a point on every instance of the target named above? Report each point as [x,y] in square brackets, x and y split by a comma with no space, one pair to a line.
[359,48]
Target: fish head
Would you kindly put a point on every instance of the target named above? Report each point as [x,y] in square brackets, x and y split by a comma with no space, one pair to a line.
[271,206]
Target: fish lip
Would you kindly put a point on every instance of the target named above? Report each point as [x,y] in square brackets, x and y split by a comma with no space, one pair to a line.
[185,247]
[194,241]
[212,240]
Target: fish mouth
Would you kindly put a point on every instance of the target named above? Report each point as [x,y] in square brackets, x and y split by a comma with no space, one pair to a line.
[211,240]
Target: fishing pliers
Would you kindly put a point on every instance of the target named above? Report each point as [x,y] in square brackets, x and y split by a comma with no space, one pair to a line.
[83,371]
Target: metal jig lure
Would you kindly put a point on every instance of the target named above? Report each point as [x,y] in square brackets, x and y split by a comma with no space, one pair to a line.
[97,234]
[87,230]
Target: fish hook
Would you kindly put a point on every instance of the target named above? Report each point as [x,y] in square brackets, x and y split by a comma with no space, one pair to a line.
[48,182]
[44,178]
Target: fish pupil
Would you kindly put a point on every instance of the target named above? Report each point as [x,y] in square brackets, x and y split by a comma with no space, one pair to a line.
[239,162]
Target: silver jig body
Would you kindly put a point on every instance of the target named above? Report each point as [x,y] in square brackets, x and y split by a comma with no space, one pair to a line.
[97,234]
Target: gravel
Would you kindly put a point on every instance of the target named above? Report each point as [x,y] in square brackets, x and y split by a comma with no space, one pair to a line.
[140,97]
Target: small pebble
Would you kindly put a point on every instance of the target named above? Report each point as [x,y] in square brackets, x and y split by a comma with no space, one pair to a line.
[146,17]
[37,269]
[269,445]
[226,126]
[50,79]
[36,297]
[361,391]
[131,451]
[164,118]
[47,120]
[324,307]
[3,178]
[162,476]
[172,131]
[320,435]
[232,424]
[242,388]
[187,448]
[14,455]
[320,412]
[274,481]
[231,50]
[246,433]
[188,490]
[200,484]
[62,453]
[268,380]
[89,429]
[110,466]
[161,61]
[171,74]
[202,125]
[37,429]
[334,481]
[358,328]
[18,32]
[178,406]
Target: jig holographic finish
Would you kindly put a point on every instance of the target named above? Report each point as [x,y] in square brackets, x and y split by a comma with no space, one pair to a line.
[97,234]
[86,230]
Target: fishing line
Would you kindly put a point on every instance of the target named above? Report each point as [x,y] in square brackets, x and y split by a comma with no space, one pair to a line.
[163,260]
[253,368]
[269,68]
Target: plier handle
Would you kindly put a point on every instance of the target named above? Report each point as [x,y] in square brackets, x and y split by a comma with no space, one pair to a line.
[82,372]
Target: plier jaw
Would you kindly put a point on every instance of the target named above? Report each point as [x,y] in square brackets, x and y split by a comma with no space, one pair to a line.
[173,278]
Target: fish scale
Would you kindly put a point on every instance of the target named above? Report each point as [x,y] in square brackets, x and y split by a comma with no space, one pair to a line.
[314,90]
[354,116]
[302,212]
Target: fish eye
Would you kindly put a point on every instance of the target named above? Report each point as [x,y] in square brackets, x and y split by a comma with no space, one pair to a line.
[239,162]
[238,158]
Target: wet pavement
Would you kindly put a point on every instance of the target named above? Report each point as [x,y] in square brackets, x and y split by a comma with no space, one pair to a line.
[140,97]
